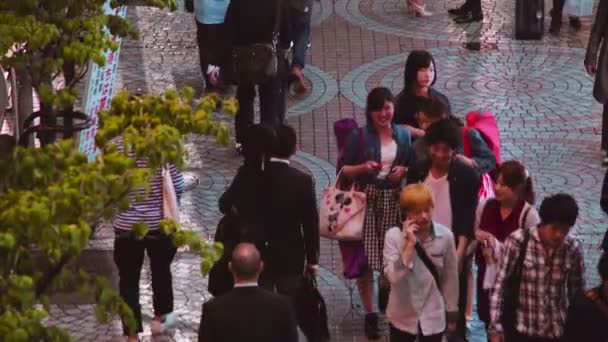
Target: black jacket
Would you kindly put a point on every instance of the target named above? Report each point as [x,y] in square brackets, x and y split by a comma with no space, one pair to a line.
[464,189]
[248,314]
[252,21]
[292,220]
[245,194]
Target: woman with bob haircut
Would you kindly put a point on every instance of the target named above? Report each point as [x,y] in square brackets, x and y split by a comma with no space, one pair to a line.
[420,264]
[419,77]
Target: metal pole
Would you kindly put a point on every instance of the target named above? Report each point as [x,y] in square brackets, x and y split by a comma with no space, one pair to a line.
[15,99]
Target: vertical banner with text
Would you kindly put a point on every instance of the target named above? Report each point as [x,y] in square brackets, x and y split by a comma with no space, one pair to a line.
[100,88]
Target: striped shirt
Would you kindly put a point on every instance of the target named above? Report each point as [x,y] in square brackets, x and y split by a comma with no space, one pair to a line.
[149,210]
[548,284]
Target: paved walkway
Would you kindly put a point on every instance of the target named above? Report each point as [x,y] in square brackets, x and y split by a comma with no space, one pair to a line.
[538,91]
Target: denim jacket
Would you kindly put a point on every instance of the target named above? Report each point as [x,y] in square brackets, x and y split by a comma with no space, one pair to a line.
[364,145]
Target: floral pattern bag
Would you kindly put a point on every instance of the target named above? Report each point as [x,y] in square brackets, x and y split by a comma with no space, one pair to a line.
[342,212]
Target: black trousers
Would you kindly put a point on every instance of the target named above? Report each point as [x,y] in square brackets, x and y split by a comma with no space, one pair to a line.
[397,335]
[556,12]
[605,128]
[474,6]
[272,106]
[291,286]
[129,258]
[210,45]
[463,294]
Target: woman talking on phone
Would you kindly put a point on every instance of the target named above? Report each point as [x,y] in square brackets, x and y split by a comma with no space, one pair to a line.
[420,264]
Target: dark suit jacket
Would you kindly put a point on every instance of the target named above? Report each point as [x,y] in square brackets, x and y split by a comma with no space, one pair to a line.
[464,188]
[248,314]
[292,220]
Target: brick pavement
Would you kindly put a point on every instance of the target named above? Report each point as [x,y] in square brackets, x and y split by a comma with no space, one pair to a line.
[538,91]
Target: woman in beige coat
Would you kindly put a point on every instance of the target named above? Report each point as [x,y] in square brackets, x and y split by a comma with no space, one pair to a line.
[599,66]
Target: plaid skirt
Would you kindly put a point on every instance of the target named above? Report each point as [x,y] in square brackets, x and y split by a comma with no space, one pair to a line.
[382,213]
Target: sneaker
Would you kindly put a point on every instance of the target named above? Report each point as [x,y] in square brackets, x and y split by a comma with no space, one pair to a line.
[462,10]
[161,324]
[372,331]
[554,30]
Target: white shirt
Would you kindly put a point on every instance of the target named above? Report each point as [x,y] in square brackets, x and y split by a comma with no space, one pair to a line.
[440,187]
[414,296]
[279,160]
[250,284]
[388,153]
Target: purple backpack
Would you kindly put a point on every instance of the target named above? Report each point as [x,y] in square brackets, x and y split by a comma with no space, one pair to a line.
[354,259]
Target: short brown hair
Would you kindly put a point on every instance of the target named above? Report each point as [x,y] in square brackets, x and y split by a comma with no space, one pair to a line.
[416,196]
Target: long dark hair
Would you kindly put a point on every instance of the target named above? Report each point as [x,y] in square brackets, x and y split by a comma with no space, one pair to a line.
[417,60]
[375,101]
[515,176]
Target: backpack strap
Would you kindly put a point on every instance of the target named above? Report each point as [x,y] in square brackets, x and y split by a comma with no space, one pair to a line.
[519,264]
[466,144]
[594,296]
[524,218]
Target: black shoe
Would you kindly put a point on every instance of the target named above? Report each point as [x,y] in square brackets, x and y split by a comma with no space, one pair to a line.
[462,10]
[372,331]
[575,23]
[468,18]
[554,29]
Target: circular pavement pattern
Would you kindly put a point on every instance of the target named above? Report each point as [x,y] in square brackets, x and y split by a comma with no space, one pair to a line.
[391,17]
[521,89]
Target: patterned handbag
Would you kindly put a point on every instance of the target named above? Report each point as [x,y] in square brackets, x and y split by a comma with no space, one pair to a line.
[341,213]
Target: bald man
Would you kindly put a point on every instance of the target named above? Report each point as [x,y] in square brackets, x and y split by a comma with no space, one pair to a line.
[247,312]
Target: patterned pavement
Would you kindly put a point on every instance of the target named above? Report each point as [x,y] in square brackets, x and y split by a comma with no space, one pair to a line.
[537,89]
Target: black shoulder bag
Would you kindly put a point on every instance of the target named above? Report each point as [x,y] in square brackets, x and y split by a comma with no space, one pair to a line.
[256,63]
[510,300]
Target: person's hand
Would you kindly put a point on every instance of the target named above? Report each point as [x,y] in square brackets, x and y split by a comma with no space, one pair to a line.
[397,173]
[214,76]
[469,161]
[409,229]
[451,328]
[312,269]
[371,167]
[590,67]
[497,336]
[481,235]
[417,132]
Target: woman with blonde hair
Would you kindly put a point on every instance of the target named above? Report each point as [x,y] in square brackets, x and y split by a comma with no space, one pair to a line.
[420,264]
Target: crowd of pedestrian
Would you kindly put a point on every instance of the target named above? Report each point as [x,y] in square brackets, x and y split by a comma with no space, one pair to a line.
[438,201]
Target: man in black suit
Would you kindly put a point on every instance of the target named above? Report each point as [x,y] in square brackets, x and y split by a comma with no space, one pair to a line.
[247,313]
[292,220]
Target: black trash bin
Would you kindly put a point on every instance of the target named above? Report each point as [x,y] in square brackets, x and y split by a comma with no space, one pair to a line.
[529,19]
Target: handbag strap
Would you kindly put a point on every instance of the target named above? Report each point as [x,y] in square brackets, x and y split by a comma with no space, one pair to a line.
[277,23]
[427,262]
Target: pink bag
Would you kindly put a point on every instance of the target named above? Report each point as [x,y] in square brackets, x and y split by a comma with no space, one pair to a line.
[341,213]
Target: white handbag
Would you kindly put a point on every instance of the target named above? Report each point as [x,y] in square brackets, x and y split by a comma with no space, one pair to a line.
[341,213]
[578,8]
[170,207]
